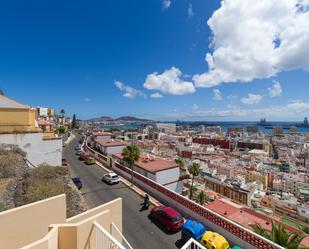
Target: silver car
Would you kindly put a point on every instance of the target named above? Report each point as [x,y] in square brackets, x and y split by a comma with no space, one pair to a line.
[111,178]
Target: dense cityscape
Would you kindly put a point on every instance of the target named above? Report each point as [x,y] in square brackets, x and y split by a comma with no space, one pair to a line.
[157,124]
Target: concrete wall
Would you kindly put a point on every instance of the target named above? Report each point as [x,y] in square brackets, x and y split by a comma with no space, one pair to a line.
[79,232]
[23,225]
[114,150]
[17,120]
[167,176]
[38,150]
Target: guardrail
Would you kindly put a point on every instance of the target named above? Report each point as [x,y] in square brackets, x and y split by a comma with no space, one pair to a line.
[116,232]
[104,240]
[232,231]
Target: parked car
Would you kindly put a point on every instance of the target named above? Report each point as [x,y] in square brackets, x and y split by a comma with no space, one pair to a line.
[90,161]
[83,156]
[77,182]
[168,217]
[77,147]
[212,240]
[78,152]
[64,162]
[192,229]
[110,178]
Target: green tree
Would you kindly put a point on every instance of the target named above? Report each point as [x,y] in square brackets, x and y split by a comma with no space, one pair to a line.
[202,198]
[194,170]
[131,154]
[62,111]
[280,236]
[180,163]
[74,122]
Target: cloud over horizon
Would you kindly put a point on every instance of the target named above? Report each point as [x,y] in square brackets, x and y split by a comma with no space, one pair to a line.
[279,41]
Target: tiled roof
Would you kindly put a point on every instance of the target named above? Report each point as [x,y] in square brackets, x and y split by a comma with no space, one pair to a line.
[151,163]
[110,142]
[101,133]
[6,102]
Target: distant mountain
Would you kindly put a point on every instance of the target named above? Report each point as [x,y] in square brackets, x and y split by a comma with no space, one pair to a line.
[100,119]
[121,119]
[131,119]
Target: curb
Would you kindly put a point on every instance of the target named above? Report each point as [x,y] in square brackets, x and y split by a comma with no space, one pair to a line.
[137,190]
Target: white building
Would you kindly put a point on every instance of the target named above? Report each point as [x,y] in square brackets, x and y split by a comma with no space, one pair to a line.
[18,126]
[39,150]
[101,135]
[162,171]
[110,146]
[166,127]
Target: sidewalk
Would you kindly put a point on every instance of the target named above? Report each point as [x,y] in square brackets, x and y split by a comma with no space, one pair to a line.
[70,138]
[142,193]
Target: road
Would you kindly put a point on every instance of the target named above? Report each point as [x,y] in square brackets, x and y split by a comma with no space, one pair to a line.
[138,229]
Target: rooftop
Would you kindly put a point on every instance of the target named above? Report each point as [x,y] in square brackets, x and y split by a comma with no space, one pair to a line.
[101,133]
[110,142]
[6,102]
[151,163]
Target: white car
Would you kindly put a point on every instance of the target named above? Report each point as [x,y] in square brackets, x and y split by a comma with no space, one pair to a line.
[111,178]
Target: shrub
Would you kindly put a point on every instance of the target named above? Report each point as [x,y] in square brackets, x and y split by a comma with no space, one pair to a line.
[41,189]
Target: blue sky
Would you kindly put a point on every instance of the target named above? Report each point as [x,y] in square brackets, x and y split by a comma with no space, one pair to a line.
[149,58]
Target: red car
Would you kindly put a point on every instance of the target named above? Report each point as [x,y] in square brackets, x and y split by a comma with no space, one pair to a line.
[168,217]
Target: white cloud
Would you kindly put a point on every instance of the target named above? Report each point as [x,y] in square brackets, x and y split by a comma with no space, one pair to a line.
[87,99]
[252,99]
[128,91]
[195,107]
[256,39]
[275,90]
[166,4]
[190,11]
[156,95]
[232,97]
[298,106]
[294,110]
[217,95]
[169,82]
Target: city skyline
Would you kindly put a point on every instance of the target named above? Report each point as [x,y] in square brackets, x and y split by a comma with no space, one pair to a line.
[162,60]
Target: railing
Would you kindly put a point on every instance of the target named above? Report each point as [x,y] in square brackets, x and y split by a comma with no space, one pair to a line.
[229,228]
[192,244]
[104,240]
[116,232]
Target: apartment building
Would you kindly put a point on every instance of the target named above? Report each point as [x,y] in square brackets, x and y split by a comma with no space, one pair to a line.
[166,127]
[19,126]
[253,176]
[44,225]
[234,193]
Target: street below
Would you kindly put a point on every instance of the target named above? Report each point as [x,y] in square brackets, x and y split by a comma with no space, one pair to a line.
[138,229]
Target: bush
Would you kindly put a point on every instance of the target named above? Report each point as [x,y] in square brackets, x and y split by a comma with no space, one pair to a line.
[41,189]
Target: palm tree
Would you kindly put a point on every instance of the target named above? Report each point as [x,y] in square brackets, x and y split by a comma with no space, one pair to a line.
[280,236]
[202,198]
[180,163]
[131,154]
[194,170]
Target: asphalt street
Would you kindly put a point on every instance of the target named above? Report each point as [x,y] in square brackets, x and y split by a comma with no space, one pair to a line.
[138,229]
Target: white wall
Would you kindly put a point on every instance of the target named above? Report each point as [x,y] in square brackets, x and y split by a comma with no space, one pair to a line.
[175,186]
[114,149]
[38,150]
[104,137]
[167,176]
